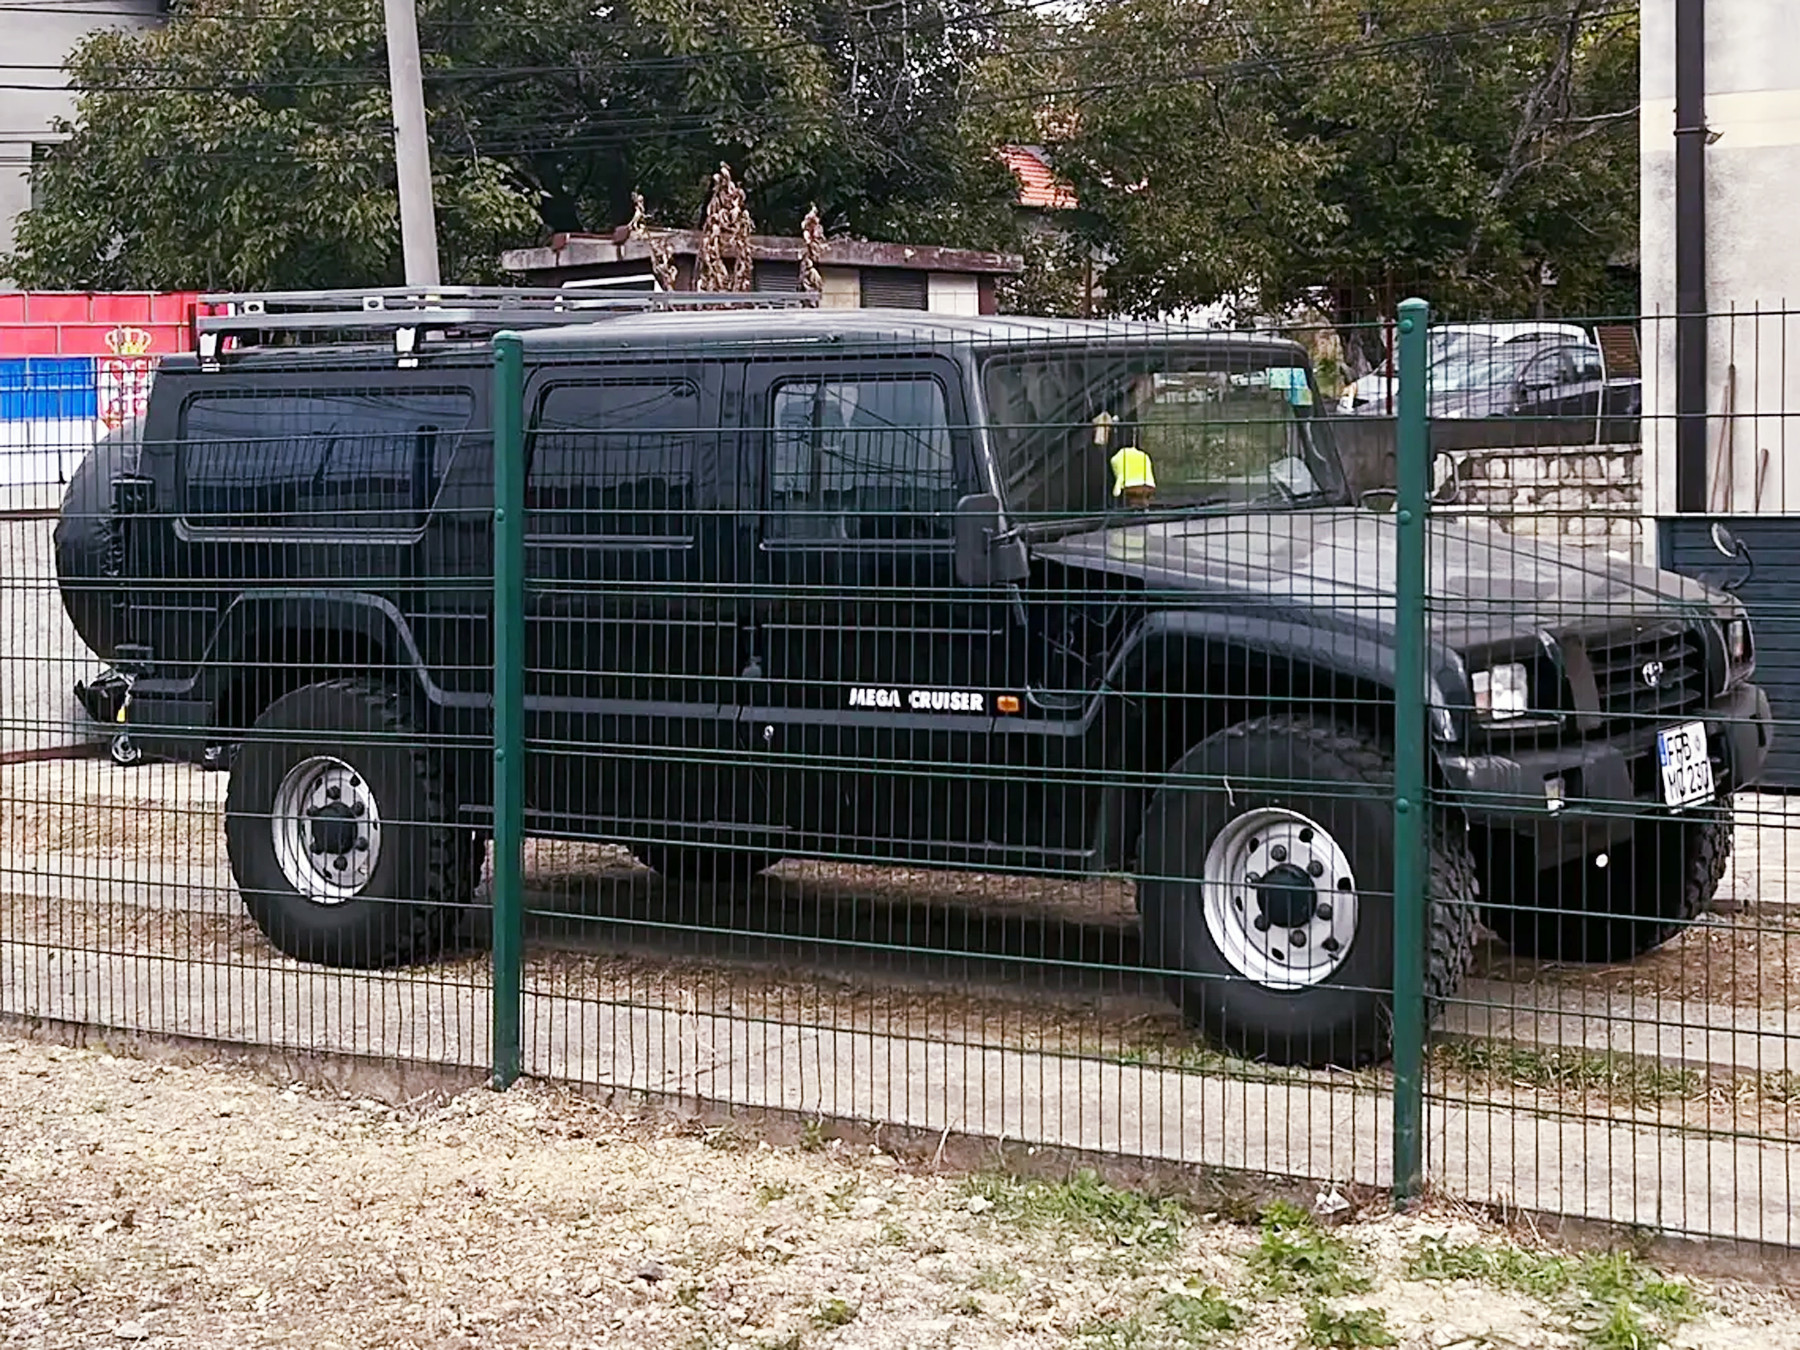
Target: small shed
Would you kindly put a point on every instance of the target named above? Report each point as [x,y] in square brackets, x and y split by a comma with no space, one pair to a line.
[857,273]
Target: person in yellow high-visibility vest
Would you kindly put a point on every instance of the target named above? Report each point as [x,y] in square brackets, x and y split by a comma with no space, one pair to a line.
[1134,479]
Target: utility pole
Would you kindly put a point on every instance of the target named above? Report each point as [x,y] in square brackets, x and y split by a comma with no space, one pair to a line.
[412,146]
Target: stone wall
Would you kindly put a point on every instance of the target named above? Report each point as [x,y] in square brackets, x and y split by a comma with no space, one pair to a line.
[1586,495]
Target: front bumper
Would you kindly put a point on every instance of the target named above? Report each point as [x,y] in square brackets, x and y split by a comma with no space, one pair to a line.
[1608,786]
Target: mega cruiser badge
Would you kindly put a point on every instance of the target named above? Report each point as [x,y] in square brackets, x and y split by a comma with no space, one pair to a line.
[919,700]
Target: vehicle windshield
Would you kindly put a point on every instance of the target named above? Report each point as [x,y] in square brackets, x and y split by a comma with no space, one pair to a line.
[1078,433]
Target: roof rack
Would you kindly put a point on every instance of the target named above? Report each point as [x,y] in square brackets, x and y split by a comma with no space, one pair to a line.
[419,316]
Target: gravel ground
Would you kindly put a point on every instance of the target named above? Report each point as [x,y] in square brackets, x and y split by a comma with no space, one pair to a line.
[145,1203]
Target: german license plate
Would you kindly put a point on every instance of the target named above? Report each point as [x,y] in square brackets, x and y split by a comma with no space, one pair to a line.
[1687,774]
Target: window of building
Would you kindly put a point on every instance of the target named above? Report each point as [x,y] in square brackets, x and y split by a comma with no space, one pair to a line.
[337,459]
[862,460]
[895,288]
[615,459]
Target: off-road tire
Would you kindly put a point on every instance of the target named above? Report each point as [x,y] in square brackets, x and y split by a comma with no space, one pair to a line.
[425,877]
[1653,886]
[1295,763]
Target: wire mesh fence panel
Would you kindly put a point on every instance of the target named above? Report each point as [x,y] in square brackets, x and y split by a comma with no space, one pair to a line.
[1610,715]
[974,725]
[269,593]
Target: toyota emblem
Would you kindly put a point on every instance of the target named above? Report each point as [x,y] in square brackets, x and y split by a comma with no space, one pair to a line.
[1652,673]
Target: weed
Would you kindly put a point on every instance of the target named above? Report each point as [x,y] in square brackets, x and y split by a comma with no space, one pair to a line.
[688,1294]
[1115,1333]
[1622,1077]
[967,1306]
[1293,1255]
[1614,1301]
[812,1136]
[768,1192]
[1084,1202]
[1350,1329]
[1198,1316]
[791,1341]
[893,1235]
[843,1195]
[1504,1266]
[995,1279]
[835,1312]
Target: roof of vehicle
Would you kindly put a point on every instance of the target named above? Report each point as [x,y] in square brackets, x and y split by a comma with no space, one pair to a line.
[1513,332]
[871,326]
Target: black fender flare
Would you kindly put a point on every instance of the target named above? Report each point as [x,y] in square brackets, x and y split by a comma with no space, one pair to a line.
[365,615]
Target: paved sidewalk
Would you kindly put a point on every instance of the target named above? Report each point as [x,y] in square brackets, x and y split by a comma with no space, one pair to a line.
[1633,1173]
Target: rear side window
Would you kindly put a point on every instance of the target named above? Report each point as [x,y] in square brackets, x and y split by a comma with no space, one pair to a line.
[336,459]
[615,459]
[861,459]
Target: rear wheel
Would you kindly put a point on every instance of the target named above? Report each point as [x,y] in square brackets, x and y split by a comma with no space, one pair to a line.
[1267,862]
[339,831]
[1647,891]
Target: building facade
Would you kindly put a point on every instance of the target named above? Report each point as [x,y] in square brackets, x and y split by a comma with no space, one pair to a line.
[38,41]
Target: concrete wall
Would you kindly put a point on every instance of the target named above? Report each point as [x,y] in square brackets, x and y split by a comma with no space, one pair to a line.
[42,37]
[1753,264]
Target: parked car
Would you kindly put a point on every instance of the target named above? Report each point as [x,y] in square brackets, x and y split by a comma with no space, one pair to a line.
[1562,381]
[1454,346]
[888,586]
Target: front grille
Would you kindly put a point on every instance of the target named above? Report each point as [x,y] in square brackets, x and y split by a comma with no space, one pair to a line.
[1631,702]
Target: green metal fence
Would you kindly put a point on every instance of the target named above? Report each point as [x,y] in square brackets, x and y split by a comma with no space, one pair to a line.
[1063,734]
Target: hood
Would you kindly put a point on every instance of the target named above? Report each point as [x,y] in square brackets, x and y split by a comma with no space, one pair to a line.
[1484,585]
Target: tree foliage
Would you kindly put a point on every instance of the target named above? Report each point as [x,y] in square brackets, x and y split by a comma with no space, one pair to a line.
[1345,151]
[248,143]
[1266,152]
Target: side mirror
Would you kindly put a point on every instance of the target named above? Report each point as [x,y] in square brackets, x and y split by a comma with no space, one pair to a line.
[1725,541]
[987,553]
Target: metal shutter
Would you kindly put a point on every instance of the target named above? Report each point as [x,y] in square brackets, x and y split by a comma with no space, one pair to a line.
[893,288]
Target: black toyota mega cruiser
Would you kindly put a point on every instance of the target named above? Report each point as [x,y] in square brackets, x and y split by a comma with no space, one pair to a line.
[967,592]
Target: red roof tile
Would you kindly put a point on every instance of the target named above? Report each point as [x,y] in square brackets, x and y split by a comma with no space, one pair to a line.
[1038,186]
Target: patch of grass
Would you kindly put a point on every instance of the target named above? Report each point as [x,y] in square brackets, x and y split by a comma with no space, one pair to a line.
[687,1294]
[1115,1333]
[835,1312]
[1350,1329]
[893,1235]
[843,1195]
[1612,1301]
[996,1279]
[1198,1317]
[967,1306]
[1621,1077]
[1503,1265]
[812,1136]
[1086,1204]
[768,1192]
[1294,1255]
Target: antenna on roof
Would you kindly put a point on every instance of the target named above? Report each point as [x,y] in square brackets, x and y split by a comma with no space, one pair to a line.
[418,317]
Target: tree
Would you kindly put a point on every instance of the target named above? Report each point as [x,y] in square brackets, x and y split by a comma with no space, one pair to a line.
[1341,152]
[247,143]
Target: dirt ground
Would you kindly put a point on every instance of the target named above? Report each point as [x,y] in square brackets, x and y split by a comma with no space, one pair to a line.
[153,1204]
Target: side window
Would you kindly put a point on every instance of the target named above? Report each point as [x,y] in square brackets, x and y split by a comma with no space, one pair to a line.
[615,460]
[336,459]
[865,459]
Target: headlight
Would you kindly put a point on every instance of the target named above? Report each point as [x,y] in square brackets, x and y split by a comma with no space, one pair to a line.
[1502,692]
[1737,641]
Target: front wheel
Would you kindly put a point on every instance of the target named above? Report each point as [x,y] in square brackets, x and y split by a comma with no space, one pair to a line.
[1267,860]
[340,833]
[1615,905]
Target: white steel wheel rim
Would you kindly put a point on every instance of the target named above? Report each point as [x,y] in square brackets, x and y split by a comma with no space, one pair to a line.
[1279,898]
[326,829]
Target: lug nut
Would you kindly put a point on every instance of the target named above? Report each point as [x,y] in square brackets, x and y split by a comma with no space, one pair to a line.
[1315,868]
[1297,937]
[1279,853]
[1322,910]
[1331,944]
[362,845]
[355,781]
[1261,923]
[334,792]
[360,809]
[341,863]
[1250,878]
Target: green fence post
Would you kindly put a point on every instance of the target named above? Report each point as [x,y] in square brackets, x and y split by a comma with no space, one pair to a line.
[1412,482]
[509,704]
